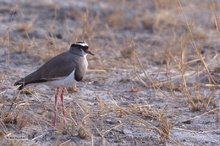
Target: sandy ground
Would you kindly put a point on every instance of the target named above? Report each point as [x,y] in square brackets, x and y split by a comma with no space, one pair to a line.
[154,79]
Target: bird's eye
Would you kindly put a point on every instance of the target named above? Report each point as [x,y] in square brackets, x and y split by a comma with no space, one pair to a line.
[85,47]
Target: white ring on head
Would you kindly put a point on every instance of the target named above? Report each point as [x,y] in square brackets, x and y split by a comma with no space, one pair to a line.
[81,44]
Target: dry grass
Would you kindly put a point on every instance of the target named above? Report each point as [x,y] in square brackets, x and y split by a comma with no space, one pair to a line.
[153,62]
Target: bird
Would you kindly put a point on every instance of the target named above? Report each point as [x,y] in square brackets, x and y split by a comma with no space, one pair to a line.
[62,71]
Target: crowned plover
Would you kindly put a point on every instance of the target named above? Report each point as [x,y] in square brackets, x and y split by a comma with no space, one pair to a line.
[61,71]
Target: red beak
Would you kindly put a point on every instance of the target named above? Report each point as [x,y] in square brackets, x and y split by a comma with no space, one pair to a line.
[87,51]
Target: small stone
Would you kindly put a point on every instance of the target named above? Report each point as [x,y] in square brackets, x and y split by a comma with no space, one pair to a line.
[82,133]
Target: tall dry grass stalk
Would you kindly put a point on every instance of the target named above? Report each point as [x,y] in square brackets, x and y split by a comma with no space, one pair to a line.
[194,44]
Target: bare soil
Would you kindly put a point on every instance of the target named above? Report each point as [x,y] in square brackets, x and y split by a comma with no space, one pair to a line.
[154,79]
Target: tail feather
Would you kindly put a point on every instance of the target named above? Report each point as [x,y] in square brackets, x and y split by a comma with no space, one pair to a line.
[20,87]
[21,83]
[17,83]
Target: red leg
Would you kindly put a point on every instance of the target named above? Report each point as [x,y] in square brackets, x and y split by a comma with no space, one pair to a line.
[63,104]
[55,108]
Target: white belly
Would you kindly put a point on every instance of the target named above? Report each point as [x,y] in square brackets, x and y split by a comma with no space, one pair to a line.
[86,62]
[63,82]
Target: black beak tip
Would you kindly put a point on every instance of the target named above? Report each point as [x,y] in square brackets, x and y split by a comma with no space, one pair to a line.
[92,54]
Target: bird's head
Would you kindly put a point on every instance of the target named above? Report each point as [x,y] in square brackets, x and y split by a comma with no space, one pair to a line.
[82,46]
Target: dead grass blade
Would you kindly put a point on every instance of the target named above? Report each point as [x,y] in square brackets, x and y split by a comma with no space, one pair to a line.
[194,44]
